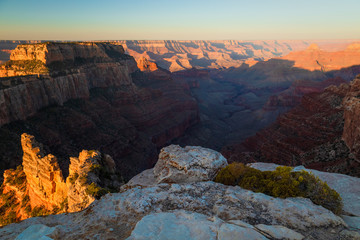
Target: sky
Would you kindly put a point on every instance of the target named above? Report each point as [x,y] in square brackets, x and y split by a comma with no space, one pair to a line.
[179,19]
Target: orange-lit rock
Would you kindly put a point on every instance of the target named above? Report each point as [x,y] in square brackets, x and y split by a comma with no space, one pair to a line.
[39,188]
[314,58]
[146,65]
[45,181]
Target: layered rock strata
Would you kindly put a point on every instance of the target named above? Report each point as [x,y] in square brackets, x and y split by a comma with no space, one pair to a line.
[92,97]
[41,188]
[313,58]
[320,133]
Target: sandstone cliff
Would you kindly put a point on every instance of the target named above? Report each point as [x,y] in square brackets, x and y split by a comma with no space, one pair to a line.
[72,70]
[38,187]
[92,96]
[180,55]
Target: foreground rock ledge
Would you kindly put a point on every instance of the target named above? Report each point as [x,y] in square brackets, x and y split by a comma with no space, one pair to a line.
[115,215]
[190,206]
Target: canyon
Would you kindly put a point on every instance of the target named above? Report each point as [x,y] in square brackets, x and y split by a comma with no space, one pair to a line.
[115,111]
[320,133]
[89,96]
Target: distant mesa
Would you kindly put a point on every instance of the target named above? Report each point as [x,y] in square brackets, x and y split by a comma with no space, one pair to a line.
[313,47]
[316,59]
[353,47]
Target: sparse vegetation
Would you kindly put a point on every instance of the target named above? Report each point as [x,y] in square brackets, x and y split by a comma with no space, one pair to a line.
[7,212]
[64,205]
[17,178]
[28,66]
[95,167]
[73,178]
[39,211]
[282,183]
[95,191]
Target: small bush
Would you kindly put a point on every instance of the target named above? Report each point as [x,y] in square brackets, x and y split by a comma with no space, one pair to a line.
[73,178]
[95,167]
[25,200]
[39,211]
[95,191]
[9,218]
[64,205]
[17,177]
[281,183]
[82,179]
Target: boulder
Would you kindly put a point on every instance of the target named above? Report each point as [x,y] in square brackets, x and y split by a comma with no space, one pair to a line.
[279,232]
[182,225]
[36,232]
[189,164]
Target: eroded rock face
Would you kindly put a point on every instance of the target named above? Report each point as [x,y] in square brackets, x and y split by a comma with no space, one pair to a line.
[40,186]
[321,133]
[45,181]
[61,52]
[351,102]
[313,58]
[92,102]
[189,164]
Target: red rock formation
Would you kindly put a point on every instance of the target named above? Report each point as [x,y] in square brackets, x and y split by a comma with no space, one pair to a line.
[104,103]
[351,103]
[146,65]
[310,134]
[38,186]
[45,183]
[292,96]
[180,55]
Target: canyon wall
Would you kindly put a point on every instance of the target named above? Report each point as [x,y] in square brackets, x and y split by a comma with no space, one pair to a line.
[181,55]
[320,133]
[91,100]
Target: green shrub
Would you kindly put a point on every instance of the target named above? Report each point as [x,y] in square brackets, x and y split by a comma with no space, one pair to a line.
[64,205]
[281,183]
[9,218]
[25,200]
[73,178]
[95,167]
[39,211]
[95,191]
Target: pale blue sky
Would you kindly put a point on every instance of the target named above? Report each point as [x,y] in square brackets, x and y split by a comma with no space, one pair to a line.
[171,19]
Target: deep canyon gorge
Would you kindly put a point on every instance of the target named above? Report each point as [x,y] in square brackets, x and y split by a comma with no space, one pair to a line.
[104,111]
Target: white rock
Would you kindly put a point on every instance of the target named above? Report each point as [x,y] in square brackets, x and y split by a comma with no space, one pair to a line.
[352,222]
[230,232]
[36,232]
[189,164]
[182,225]
[348,187]
[279,232]
[349,235]
[145,179]
[178,225]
